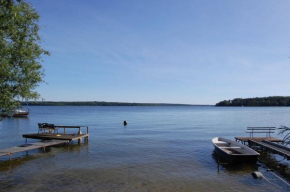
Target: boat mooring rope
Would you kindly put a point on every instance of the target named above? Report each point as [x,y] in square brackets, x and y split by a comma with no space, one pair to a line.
[280,178]
[270,181]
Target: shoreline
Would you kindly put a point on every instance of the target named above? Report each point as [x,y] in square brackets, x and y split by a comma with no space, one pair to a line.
[98,103]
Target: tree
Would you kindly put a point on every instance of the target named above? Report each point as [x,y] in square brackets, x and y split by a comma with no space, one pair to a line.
[258,101]
[224,103]
[20,53]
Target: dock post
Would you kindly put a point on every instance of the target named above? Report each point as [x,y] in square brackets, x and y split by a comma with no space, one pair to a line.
[43,148]
[86,139]
[10,154]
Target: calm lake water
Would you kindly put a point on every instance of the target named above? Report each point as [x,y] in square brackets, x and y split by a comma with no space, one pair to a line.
[161,149]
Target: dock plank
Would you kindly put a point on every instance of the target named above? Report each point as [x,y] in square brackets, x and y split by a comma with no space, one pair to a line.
[31,146]
[259,139]
[50,136]
[280,149]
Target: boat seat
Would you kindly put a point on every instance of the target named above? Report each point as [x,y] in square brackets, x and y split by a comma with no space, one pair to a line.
[230,147]
[222,144]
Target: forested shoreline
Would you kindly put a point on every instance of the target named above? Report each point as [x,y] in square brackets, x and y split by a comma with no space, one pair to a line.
[96,103]
[257,101]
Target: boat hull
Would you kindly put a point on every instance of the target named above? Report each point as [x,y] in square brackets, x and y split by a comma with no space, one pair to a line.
[16,113]
[234,152]
[21,114]
[236,159]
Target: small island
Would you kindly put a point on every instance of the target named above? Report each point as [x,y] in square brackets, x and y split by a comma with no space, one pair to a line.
[257,101]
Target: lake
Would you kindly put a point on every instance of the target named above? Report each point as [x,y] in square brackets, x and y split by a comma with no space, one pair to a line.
[161,149]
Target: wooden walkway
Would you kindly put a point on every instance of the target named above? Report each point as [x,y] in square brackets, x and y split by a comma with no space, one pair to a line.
[245,140]
[49,134]
[279,149]
[31,146]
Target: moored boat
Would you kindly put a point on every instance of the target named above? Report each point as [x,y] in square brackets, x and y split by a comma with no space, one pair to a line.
[234,152]
[20,113]
[15,113]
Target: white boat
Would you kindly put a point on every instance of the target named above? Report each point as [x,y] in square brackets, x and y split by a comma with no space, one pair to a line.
[15,113]
[234,152]
[20,113]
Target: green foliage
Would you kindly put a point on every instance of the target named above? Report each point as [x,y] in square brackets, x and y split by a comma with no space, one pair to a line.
[20,53]
[285,129]
[258,101]
[224,103]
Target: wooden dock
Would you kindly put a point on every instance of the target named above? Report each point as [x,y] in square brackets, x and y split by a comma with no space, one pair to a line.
[31,146]
[53,133]
[245,140]
[52,136]
[49,134]
[259,130]
[279,149]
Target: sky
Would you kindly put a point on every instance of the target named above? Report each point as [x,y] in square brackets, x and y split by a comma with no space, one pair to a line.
[164,51]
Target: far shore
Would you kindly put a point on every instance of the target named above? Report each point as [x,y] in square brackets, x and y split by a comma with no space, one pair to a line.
[99,103]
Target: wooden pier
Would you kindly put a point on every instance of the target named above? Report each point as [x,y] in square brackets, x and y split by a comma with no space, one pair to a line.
[31,146]
[52,133]
[259,130]
[245,140]
[276,148]
[268,142]
[50,136]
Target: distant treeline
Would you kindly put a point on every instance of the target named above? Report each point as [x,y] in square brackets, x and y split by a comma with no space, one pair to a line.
[95,103]
[258,101]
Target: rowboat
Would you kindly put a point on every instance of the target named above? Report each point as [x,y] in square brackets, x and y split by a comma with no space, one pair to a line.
[234,152]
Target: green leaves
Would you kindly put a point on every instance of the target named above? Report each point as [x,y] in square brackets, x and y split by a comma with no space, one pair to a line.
[20,52]
[285,129]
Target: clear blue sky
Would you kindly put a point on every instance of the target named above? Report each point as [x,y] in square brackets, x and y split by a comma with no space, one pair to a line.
[165,51]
